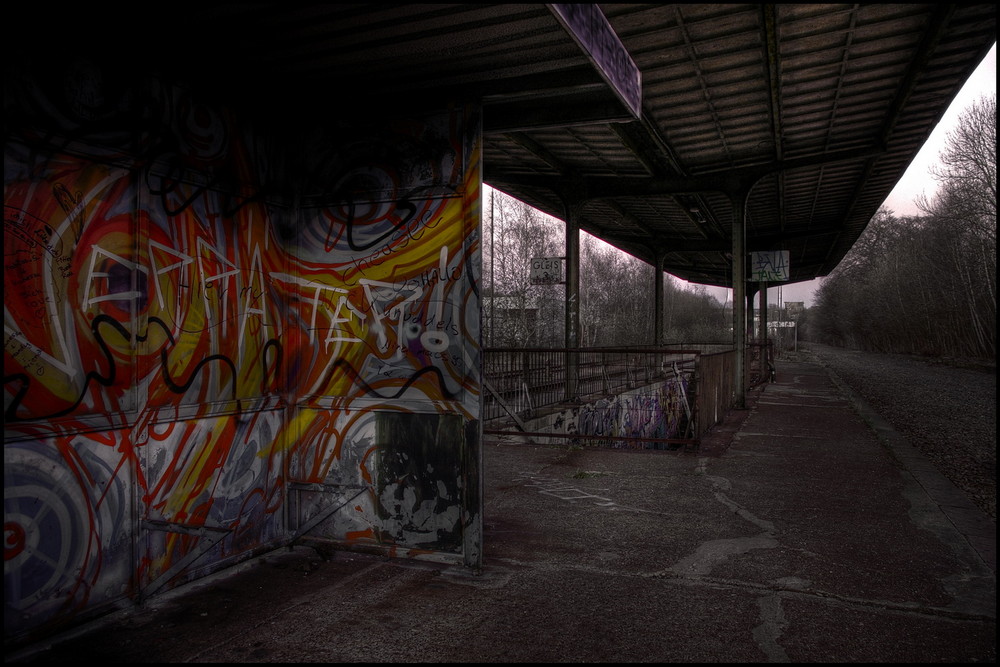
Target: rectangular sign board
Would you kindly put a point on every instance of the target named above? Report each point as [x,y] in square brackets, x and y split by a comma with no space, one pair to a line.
[594,34]
[770,266]
[546,271]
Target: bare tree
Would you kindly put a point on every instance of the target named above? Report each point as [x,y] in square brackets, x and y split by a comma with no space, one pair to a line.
[968,170]
[965,216]
[617,290]
[517,313]
[927,284]
[616,296]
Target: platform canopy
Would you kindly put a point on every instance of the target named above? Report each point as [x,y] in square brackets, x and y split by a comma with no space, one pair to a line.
[651,119]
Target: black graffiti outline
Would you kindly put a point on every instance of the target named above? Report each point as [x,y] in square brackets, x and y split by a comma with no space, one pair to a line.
[403,203]
[170,182]
[107,380]
[410,381]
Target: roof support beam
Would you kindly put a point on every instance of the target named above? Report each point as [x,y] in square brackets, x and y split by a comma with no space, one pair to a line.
[774,77]
[732,182]
[553,112]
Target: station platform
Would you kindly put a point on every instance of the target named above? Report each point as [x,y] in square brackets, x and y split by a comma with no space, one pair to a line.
[804,530]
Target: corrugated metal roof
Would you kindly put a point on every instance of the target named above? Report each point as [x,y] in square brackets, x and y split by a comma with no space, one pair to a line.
[812,112]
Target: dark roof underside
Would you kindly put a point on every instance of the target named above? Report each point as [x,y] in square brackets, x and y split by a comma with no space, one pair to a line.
[810,113]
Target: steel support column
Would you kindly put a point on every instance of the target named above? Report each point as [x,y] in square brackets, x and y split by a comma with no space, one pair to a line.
[572,299]
[658,300]
[762,324]
[739,291]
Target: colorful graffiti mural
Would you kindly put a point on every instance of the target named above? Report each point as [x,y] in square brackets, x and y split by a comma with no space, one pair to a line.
[634,419]
[216,344]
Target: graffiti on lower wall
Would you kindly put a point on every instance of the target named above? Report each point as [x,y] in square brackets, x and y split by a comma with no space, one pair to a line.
[659,412]
[201,364]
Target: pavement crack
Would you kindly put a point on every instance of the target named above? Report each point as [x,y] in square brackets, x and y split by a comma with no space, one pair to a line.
[795,590]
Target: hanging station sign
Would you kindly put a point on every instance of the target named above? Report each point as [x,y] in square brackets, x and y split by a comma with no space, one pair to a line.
[546,271]
[769,267]
[593,33]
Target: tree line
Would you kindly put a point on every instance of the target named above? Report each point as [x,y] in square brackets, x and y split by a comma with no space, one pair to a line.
[925,284]
[616,289]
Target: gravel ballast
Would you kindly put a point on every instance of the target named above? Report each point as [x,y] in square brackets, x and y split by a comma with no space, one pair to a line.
[945,408]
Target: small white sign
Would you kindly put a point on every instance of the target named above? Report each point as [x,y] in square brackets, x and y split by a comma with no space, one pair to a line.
[546,271]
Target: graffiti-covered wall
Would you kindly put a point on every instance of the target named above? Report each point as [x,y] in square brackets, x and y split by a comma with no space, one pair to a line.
[633,419]
[218,341]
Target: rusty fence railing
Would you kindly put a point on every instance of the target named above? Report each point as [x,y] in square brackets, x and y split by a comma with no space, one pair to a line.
[622,397]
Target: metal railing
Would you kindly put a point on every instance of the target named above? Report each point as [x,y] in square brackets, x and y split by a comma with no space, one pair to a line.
[693,384]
